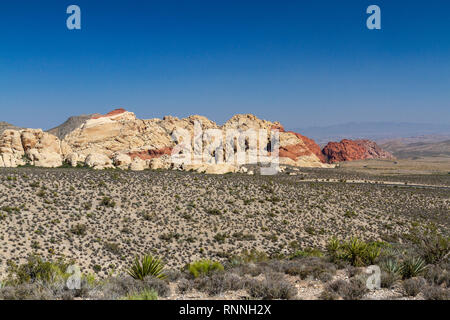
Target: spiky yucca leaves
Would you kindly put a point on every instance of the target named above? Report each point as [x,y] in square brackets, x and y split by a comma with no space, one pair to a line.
[147,266]
[412,267]
[355,251]
[392,266]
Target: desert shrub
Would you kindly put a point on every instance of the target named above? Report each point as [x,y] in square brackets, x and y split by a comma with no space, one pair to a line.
[185,285]
[412,267]
[112,247]
[432,246]
[37,270]
[217,283]
[249,269]
[146,266]
[26,291]
[78,229]
[315,268]
[306,253]
[159,286]
[358,253]
[436,293]
[271,288]
[118,287]
[329,295]
[108,202]
[413,286]
[173,275]
[436,275]
[252,256]
[354,289]
[204,267]
[142,295]
[388,279]
[214,212]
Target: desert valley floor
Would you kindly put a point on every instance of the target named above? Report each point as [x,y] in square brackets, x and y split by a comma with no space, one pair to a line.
[102,219]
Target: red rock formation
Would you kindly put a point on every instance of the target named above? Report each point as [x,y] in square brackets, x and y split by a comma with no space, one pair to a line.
[150,154]
[111,113]
[312,146]
[349,150]
[294,151]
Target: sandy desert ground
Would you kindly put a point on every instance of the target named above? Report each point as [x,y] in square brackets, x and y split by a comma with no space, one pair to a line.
[102,219]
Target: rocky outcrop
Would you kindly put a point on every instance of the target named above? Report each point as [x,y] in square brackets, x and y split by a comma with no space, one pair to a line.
[119,139]
[349,150]
[295,149]
[31,146]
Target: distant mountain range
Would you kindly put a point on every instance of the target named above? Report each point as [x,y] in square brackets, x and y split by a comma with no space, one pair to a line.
[414,147]
[377,131]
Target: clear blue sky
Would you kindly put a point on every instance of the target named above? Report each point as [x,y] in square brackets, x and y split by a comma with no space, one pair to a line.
[303,63]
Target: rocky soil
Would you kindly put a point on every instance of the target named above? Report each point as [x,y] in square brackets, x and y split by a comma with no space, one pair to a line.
[104,218]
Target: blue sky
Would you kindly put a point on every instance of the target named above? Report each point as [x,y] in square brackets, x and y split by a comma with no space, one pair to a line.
[303,63]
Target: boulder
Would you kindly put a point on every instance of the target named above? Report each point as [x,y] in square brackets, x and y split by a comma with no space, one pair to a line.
[122,160]
[98,161]
[159,163]
[72,159]
[137,165]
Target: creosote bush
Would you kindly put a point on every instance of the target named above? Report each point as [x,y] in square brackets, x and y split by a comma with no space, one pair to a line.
[354,289]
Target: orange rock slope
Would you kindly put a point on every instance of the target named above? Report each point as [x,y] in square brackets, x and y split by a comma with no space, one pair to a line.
[349,150]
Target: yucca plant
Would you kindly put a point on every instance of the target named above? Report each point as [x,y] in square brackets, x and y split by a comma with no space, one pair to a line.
[354,252]
[412,267]
[334,249]
[392,266]
[147,266]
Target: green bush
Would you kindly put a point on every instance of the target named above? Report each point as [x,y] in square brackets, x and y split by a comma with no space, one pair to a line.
[204,267]
[306,253]
[146,266]
[36,269]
